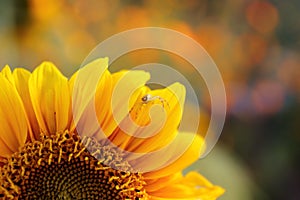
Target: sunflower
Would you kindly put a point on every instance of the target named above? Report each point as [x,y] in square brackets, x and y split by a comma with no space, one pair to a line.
[52,148]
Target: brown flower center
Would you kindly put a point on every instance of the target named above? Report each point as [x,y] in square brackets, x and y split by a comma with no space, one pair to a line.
[62,166]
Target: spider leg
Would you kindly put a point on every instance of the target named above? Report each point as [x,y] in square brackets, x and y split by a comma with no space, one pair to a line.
[163,102]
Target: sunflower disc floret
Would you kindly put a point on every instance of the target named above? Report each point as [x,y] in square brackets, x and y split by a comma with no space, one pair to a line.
[60,167]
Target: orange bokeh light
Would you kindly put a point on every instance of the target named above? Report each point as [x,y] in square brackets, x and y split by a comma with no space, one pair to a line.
[262,16]
[249,50]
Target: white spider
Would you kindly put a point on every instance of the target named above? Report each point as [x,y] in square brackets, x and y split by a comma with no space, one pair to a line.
[148,97]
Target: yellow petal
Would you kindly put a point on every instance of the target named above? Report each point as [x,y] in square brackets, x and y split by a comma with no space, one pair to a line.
[50,96]
[190,187]
[122,97]
[202,187]
[154,122]
[153,185]
[103,104]
[6,72]
[86,85]
[124,131]
[6,150]
[182,152]
[71,83]
[21,77]
[13,121]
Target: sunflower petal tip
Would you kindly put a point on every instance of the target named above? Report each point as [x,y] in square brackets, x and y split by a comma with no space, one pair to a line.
[46,63]
[178,89]
[46,66]
[106,59]
[147,74]
[140,74]
[20,70]
[178,85]
[6,67]
[96,64]
[6,71]
[102,59]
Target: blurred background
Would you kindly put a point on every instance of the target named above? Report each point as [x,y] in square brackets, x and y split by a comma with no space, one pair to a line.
[255,44]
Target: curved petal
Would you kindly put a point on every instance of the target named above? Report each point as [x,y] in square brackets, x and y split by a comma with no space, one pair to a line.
[172,101]
[124,93]
[99,98]
[6,72]
[50,96]
[152,123]
[184,150]
[13,121]
[103,102]
[153,185]
[91,88]
[124,129]
[21,77]
[71,86]
[190,187]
